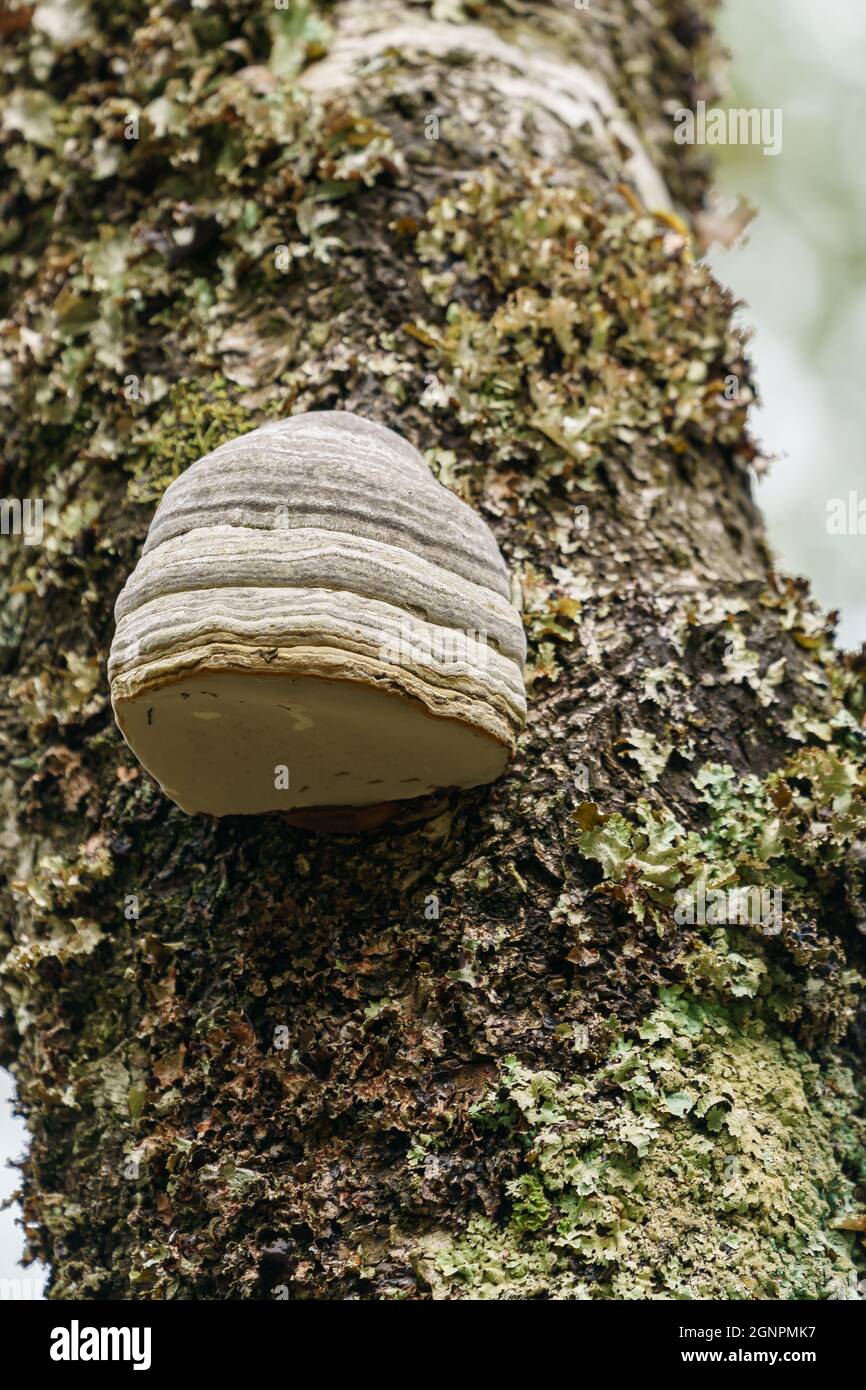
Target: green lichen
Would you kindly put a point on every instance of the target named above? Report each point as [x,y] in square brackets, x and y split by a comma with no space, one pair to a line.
[487,1263]
[196,419]
[531,1209]
[706,1129]
[705,1133]
[599,325]
[795,833]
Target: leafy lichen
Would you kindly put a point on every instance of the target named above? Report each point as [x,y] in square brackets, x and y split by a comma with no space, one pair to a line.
[707,1158]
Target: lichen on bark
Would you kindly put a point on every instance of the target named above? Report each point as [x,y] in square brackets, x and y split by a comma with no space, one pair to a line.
[472,1054]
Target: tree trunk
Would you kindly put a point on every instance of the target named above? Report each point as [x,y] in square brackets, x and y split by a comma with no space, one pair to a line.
[481,1051]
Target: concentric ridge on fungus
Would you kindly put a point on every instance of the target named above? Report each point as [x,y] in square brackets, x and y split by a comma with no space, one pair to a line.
[316,621]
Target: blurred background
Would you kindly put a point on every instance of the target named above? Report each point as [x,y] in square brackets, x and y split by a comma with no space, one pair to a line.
[802,277]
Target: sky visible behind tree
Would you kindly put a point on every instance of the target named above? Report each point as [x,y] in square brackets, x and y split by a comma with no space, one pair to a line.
[802,275]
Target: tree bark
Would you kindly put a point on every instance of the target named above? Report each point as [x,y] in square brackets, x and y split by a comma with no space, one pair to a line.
[476,1052]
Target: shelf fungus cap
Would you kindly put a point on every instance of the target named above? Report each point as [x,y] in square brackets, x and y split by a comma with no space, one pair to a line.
[315,621]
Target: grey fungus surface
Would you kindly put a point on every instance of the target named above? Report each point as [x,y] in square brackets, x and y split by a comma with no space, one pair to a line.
[316,621]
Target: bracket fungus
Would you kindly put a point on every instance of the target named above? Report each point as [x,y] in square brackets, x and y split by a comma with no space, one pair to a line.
[314,622]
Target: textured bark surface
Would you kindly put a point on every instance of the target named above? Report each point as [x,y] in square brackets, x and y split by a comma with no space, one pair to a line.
[472,1053]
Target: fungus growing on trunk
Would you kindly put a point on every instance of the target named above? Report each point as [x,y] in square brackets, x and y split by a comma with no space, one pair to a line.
[315,621]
